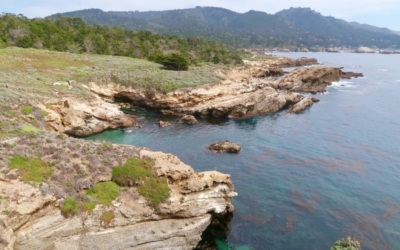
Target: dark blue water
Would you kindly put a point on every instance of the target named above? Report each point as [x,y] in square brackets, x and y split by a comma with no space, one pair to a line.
[307,180]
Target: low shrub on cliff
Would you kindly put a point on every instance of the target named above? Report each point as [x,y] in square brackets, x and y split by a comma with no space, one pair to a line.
[107,217]
[132,172]
[347,244]
[31,169]
[70,207]
[137,172]
[104,192]
[155,190]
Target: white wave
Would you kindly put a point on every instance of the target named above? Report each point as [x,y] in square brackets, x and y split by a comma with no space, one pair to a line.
[397,81]
[384,70]
[342,84]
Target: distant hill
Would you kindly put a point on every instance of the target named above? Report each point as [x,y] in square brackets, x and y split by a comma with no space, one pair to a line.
[300,27]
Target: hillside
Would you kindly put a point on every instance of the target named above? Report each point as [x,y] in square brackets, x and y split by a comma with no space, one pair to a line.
[301,27]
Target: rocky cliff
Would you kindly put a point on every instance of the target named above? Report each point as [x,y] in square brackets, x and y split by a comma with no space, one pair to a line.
[33,219]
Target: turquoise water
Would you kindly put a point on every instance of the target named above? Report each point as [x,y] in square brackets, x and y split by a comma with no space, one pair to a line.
[307,180]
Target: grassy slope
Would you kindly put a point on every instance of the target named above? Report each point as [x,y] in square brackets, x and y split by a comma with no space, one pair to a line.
[36,70]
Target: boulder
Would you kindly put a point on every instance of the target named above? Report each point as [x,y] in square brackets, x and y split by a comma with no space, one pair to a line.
[225,147]
[163,124]
[302,105]
[309,80]
[188,119]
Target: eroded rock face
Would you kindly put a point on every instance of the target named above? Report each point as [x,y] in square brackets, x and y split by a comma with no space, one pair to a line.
[309,80]
[162,124]
[225,147]
[83,118]
[35,221]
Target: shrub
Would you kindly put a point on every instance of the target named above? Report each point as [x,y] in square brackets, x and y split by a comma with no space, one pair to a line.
[134,170]
[104,192]
[88,206]
[172,61]
[155,190]
[107,217]
[31,169]
[347,244]
[138,172]
[26,110]
[70,207]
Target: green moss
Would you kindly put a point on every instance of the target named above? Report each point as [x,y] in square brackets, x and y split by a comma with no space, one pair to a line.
[31,169]
[138,172]
[26,110]
[104,192]
[155,190]
[88,206]
[70,207]
[27,128]
[134,170]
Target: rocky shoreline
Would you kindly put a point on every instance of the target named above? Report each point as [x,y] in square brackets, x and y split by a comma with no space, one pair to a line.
[33,218]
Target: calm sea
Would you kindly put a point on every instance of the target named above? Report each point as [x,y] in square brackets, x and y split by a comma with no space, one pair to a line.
[306,180]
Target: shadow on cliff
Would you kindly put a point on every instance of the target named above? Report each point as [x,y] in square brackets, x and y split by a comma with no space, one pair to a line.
[216,233]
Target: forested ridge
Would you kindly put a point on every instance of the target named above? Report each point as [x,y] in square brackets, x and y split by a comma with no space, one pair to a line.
[74,35]
[301,27]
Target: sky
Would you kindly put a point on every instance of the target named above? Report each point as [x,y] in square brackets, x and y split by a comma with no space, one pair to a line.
[381,13]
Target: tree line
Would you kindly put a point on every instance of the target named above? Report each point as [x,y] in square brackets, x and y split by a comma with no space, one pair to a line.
[75,36]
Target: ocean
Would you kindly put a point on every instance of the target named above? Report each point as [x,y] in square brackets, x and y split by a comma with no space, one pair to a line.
[306,180]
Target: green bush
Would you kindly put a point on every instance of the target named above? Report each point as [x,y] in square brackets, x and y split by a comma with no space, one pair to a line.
[26,110]
[107,217]
[155,190]
[172,61]
[31,169]
[88,206]
[104,192]
[347,244]
[133,171]
[70,207]
[138,172]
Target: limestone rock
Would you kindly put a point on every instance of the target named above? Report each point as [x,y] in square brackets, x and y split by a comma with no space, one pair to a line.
[83,118]
[189,119]
[349,75]
[309,80]
[302,105]
[164,124]
[225,147]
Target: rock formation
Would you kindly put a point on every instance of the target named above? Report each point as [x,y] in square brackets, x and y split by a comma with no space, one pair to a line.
[188,119]
[83,118]
[349,75]
[302,105]
[225,147]
[163,124]
[34,220]
[309,80]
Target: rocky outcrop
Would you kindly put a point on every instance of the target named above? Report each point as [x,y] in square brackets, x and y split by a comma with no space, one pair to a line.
[188,119]
[349,75]
[34,220]
[301,106]
[162,124]
[83,118]
[225,147]
[309,80]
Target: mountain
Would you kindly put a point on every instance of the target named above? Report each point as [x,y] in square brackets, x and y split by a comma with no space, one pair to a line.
[374,28]
[300,27]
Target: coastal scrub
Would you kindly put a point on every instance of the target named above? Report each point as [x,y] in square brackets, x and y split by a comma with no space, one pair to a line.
[31,169]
